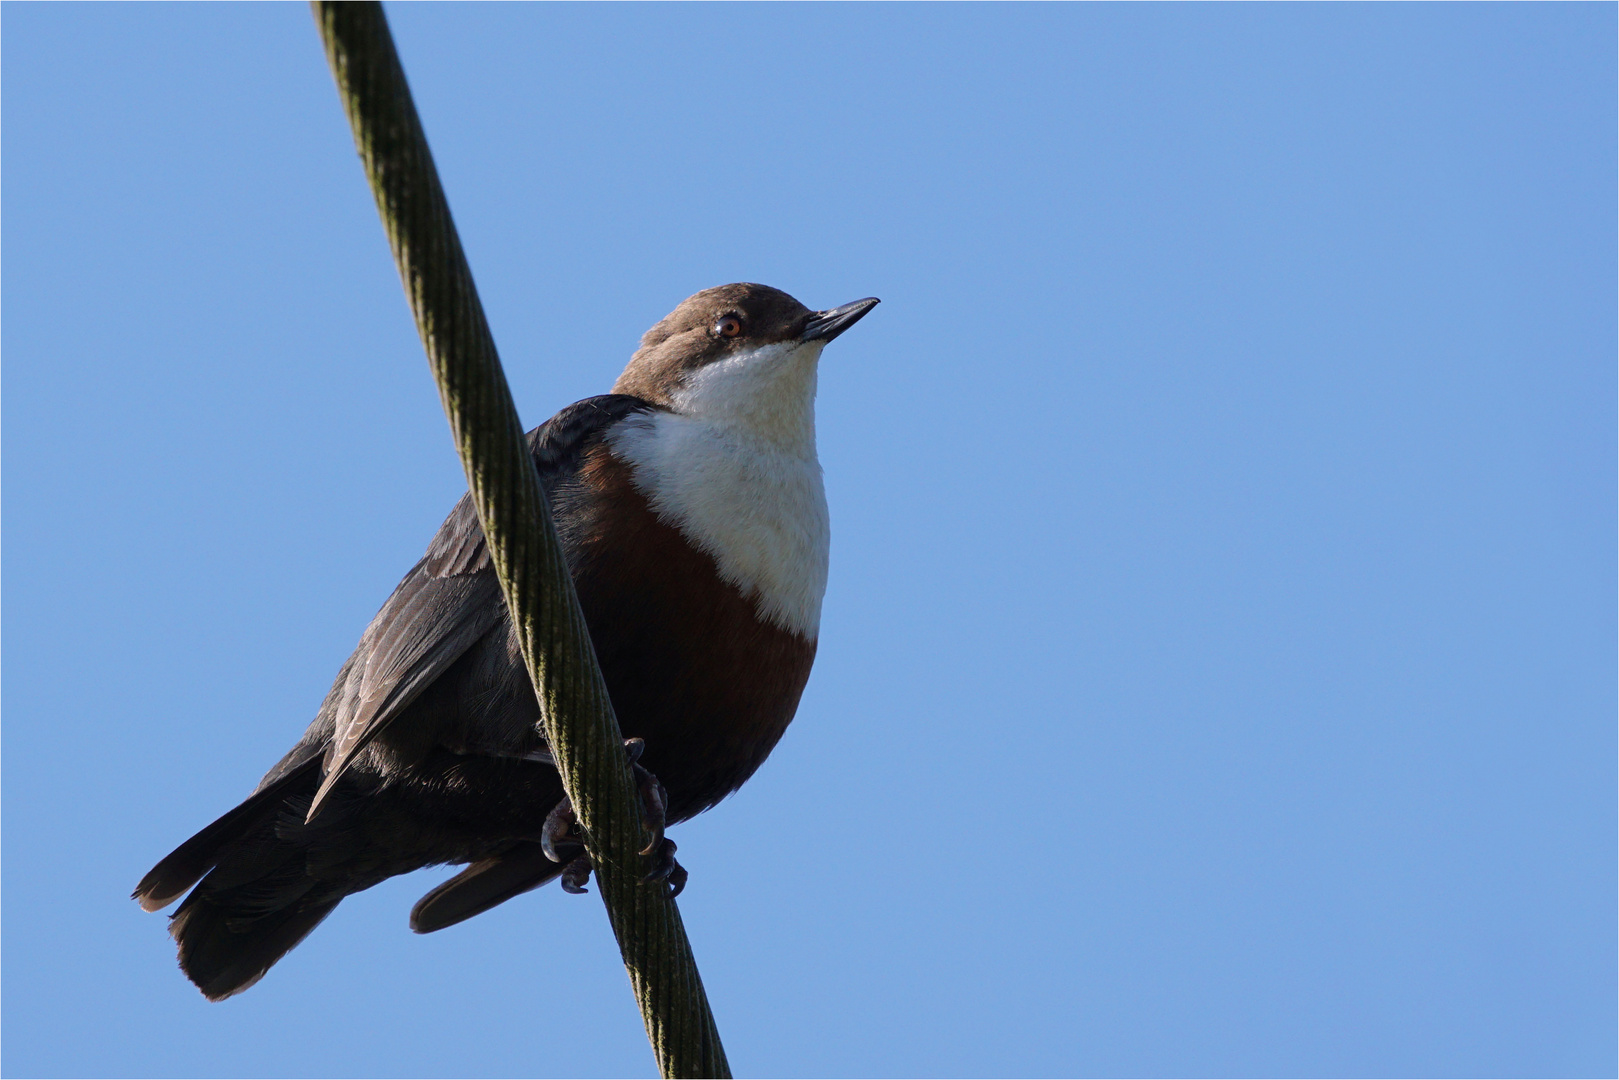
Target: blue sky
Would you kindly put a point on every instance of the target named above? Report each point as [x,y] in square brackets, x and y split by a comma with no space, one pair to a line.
[1217,671]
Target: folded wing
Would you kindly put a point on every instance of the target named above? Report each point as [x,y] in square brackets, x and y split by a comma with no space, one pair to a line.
[450,599]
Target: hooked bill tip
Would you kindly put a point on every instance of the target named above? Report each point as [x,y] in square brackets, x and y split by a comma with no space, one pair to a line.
[826,325]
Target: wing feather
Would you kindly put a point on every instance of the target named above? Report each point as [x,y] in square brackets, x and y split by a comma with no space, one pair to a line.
[450,599]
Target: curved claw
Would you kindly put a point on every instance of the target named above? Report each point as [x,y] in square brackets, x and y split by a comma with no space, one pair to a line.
[559,830]
[577,874]
[666,869]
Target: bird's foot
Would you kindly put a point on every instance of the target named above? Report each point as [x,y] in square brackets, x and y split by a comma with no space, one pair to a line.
[563,843]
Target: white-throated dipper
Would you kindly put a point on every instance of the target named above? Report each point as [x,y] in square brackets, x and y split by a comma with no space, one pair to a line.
[690,507]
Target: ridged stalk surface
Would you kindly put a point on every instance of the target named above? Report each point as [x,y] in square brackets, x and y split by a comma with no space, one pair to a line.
[578,717]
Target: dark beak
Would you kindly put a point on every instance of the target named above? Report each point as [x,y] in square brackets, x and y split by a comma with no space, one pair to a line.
[826,325]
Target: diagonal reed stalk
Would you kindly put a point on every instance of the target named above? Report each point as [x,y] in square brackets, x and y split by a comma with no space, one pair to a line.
[579,723]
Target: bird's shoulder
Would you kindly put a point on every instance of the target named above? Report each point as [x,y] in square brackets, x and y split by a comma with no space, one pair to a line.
[559,444]
[559,447]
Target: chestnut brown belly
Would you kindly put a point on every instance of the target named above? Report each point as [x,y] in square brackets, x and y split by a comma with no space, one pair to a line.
[689,665]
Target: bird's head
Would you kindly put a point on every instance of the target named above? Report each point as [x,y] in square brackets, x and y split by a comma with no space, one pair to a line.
[740,355]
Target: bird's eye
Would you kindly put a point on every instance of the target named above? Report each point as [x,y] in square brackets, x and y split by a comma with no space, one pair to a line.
[728,326]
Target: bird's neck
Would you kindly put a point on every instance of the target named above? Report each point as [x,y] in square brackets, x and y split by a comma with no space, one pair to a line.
[733,467]
[764,398]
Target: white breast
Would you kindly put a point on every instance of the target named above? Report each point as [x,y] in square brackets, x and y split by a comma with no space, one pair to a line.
[734,468]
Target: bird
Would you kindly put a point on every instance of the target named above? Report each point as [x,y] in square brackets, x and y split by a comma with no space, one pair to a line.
[690,506]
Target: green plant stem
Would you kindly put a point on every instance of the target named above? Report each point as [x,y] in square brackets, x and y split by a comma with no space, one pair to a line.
[580,727]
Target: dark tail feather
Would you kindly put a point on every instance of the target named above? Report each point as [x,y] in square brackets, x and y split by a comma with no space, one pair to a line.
[268,890]
[257,897]
[224,957]
[185,865]
[483,885]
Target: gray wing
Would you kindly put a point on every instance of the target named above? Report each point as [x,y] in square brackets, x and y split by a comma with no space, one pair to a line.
[449,600]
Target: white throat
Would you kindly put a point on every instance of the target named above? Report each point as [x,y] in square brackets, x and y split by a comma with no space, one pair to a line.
[734,468]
